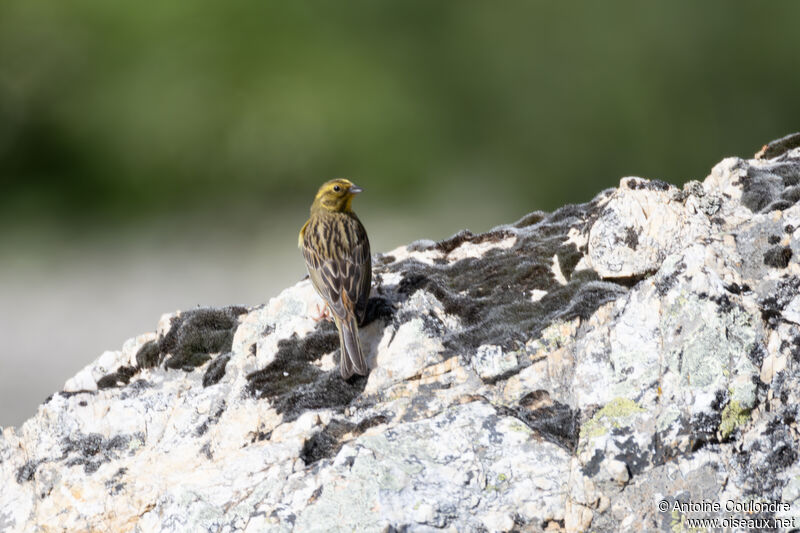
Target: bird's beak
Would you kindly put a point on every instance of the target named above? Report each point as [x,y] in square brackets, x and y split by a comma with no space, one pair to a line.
[354,189]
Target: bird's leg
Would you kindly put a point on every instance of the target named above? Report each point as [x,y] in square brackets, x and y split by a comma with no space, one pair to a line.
[322,314]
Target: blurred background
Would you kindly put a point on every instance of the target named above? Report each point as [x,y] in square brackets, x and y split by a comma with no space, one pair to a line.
[160,156]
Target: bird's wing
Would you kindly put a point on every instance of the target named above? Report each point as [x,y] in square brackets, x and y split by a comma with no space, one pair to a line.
[326,278]
[343,280]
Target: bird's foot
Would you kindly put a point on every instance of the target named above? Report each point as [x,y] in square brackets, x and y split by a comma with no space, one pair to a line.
[322,314]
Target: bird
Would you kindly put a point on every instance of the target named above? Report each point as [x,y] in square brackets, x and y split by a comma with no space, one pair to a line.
[337,255]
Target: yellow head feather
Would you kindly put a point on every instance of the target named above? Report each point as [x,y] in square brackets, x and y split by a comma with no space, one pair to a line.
[335,195]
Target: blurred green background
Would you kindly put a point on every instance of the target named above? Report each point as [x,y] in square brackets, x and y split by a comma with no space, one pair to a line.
[159,156]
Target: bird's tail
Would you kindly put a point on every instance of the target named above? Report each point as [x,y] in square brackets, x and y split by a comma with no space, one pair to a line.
[351,359]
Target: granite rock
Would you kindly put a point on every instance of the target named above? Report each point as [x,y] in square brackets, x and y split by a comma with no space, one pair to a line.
[565,372]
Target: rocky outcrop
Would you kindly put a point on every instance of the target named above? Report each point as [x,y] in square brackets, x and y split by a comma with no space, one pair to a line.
[572,370]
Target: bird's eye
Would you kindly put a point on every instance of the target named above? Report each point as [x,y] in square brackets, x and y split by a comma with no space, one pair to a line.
[337,188]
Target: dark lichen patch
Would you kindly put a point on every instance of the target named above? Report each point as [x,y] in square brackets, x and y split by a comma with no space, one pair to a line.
[384,259]
[771,311]
[492,380]
[202,330]
[557,423]
[400,528]
[634,457]
[664,283]
[291,364]
[114,484]
[27,471]
[735,288]
[778,205]
[723,302]
[415,278]
[259,436]
[530,219]
[327,442]
[766,190]
[89,466]
[684,436]
[773,305]
[778,256]
[793,348]
[448,245]
[490,294]
[86,445]
[294,384]
[421,245]
[757,191]
[665,448]
[149,355]
[581,300]
[195,335]
[756,198]
[189,343]
[377,309]
[431,324]
[631,239]
[776,451]
[92,450]
[135,388]
[211,420]
[216,370]
[788,170]
[791,195]
[648,185]
[117,378]
[593,466]
[703,426]
[782,455]
[187,362]
[206,450]
[70,393]
[568,258]
[780,388]
[328,392]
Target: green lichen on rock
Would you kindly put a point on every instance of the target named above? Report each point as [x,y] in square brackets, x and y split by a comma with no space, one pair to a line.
[707,339]
[733,416]
[610,416]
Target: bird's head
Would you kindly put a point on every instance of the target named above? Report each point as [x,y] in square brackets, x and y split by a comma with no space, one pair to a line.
[336,195]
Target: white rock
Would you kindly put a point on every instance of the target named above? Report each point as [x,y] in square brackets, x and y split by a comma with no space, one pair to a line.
[497,521]
[680,381]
